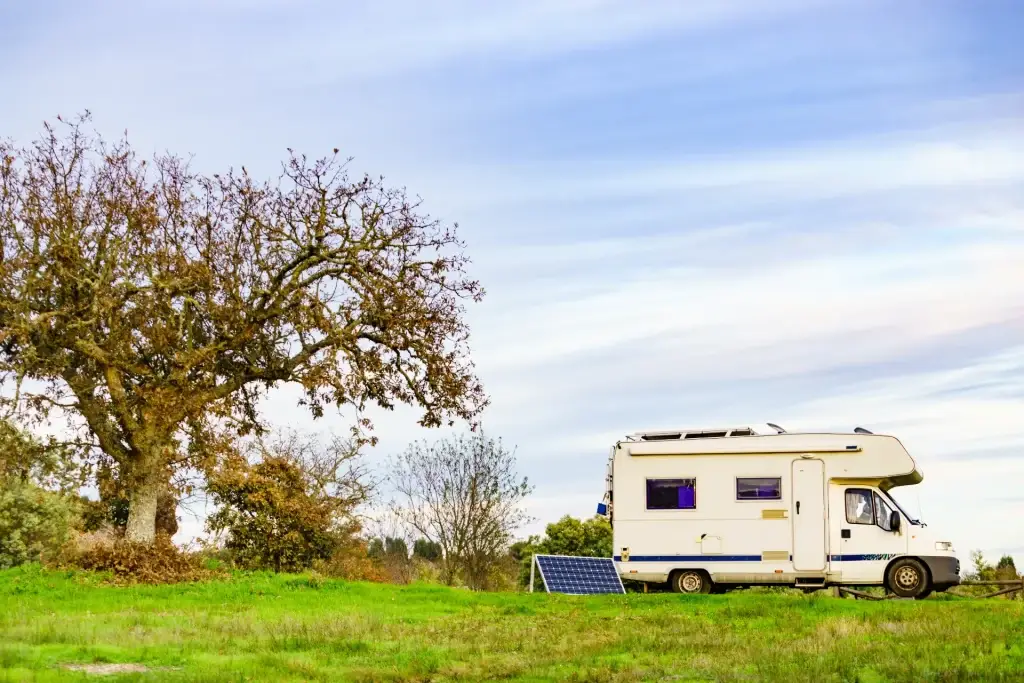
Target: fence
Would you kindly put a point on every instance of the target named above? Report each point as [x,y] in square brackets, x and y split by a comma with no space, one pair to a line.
[1006,588]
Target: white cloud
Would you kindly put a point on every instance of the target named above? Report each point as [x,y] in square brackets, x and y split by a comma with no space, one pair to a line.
[711,322]
[978,156]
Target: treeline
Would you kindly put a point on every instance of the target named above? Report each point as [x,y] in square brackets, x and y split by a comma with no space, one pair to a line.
[291,502]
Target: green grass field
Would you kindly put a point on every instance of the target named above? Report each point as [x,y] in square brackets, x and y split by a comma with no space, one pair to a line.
[284,628]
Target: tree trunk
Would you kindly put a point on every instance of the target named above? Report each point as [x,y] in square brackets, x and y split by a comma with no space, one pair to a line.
[142,504]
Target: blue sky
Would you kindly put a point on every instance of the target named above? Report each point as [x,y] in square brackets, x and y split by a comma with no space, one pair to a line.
[685,214]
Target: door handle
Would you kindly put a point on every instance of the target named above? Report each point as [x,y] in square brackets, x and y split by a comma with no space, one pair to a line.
[798,507]
[844,533]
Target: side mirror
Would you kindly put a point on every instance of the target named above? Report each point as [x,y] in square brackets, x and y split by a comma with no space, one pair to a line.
[894,521]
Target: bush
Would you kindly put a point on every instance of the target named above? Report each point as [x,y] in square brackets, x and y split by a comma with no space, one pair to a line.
[34,523]
[161,562]
[425,571]
[292,507]
[351,562]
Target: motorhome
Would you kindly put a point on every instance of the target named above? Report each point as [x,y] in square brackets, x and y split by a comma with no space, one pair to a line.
[708,509]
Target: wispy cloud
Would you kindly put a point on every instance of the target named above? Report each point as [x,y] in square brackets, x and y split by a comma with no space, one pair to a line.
[684,213]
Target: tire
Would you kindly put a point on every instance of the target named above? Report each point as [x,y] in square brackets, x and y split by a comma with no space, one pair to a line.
[908,578]
[691,581]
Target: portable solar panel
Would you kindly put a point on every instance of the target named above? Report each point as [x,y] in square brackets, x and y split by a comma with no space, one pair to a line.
[579,575]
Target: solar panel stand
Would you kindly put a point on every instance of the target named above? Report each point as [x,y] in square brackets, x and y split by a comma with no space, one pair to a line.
[533,563]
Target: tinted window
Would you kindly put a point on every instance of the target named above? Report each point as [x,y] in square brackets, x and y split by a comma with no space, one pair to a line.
[759,488]
[858,507]
[671,494]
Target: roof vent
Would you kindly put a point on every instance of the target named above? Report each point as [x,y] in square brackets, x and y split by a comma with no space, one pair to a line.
[705,435]
[861,430]
[691,434]
[661,436]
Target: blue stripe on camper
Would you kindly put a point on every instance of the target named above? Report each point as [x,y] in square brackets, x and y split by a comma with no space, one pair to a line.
[691,558]
[750,558]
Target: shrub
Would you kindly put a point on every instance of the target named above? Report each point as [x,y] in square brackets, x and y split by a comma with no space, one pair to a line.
[351,562]
[128,562]
[425,571]
[292,507]
[34,522]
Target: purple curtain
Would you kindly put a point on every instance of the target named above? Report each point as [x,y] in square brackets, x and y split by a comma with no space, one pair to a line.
[686,496]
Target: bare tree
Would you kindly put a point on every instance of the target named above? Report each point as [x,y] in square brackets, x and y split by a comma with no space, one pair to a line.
[157,304]
[464,494]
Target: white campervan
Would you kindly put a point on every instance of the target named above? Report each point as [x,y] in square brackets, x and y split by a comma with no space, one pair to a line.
[734,507]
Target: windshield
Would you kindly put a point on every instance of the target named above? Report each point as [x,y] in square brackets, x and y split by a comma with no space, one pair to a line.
[910,517]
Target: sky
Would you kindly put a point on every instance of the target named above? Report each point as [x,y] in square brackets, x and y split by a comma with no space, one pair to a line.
[685,214]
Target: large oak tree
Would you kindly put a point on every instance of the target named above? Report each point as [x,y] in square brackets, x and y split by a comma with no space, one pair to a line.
[159,304]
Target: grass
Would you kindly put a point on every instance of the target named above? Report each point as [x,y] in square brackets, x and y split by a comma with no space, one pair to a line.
[292,628]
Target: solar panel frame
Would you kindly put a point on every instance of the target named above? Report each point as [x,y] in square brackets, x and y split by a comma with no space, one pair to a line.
[590,579]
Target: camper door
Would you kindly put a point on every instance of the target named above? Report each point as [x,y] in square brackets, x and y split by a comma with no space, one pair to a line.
[809,515]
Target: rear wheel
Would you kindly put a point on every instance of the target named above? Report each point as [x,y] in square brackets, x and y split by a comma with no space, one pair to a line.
[691,581]
[908,578]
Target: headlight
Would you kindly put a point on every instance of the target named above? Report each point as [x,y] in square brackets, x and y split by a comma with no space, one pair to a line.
[943,545]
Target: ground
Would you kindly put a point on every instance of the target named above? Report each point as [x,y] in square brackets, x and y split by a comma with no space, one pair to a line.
[284,628]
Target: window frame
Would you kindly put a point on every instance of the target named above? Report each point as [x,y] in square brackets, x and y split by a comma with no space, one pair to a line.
[871,501]
[648,480]
[736,489]
[879,497]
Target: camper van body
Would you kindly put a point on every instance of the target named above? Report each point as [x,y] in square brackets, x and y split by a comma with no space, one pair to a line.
[733,507]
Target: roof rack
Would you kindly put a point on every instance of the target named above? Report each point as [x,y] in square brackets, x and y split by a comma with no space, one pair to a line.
[677,435]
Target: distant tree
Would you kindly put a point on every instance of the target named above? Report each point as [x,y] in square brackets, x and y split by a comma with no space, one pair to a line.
[426,549]
[567,536]
[159,305]
[463,494]
[388,547]
[290,503]
[396,547]
[1006,569]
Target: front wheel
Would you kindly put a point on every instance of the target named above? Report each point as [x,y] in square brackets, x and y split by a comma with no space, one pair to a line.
[908,578]
[691,581]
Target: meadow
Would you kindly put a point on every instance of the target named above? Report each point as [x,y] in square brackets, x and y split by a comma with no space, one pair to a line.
[305,628]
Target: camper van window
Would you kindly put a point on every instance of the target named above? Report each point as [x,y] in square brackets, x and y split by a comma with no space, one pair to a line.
[882,513]
[671,494]
[858,507]
[759,488]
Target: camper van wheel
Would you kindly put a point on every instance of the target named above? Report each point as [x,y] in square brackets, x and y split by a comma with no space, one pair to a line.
[691,581]
[908,578]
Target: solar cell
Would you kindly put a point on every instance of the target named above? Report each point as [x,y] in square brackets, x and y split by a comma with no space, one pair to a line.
[579,575]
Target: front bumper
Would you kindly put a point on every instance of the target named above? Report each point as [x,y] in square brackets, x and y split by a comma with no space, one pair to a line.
[945,570]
